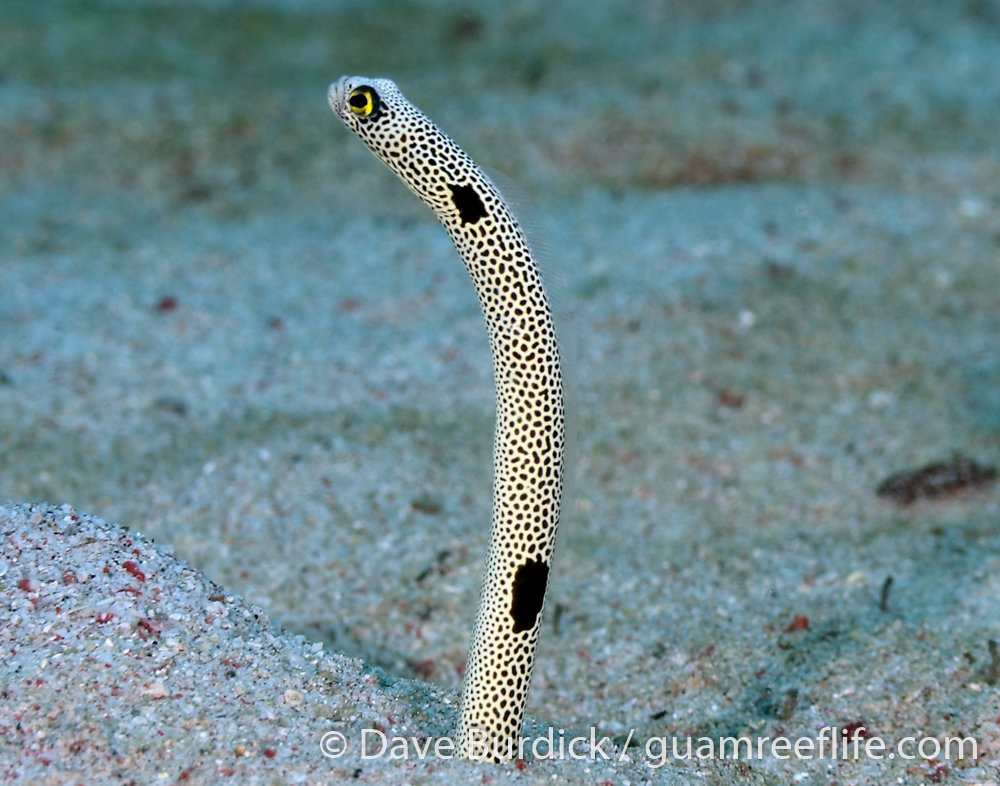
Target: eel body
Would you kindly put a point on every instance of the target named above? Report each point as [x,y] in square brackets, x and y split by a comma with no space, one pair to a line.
[530,422]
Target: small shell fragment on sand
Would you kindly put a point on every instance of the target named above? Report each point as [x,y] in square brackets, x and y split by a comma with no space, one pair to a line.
[938,480]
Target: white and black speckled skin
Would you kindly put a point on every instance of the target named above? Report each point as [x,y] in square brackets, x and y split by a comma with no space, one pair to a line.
[529,443]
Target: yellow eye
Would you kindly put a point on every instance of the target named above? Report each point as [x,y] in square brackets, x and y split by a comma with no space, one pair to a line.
[364,101]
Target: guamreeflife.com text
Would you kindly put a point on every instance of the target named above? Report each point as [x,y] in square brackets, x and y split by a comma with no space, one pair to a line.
[830,743]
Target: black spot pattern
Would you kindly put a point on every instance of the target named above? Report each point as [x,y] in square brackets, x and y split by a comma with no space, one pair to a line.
[470,206]
[529,443]
[529,594]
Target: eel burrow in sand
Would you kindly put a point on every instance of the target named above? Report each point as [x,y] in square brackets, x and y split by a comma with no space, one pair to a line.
[530,428]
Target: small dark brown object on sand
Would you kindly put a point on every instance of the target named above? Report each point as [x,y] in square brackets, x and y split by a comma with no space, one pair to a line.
[939,480]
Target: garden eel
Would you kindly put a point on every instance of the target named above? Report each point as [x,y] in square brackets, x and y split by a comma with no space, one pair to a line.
[530,425]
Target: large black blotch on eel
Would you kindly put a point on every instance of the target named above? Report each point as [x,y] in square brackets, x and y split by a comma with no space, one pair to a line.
[469,203]
[529,594]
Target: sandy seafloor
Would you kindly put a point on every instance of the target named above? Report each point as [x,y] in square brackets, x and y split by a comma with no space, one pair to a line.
[226,329]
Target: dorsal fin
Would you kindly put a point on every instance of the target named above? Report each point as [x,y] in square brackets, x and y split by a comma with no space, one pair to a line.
[556,284]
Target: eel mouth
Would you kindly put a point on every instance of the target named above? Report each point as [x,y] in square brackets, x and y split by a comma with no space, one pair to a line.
[335,95]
